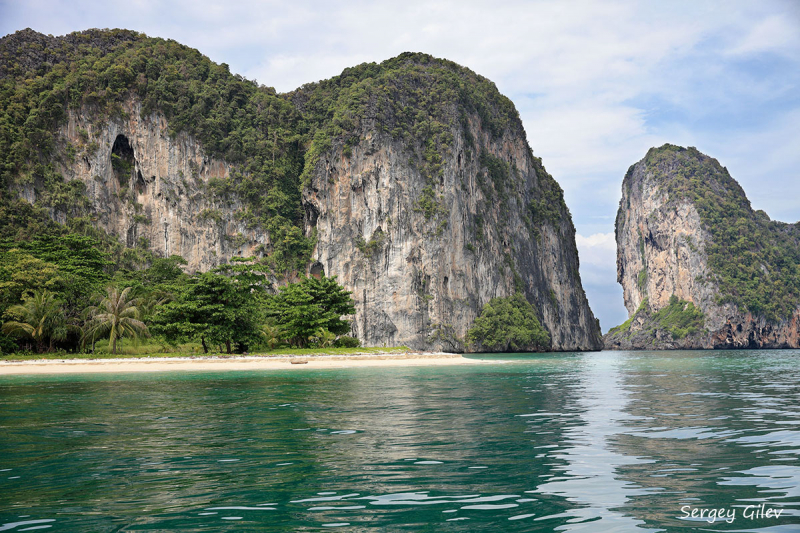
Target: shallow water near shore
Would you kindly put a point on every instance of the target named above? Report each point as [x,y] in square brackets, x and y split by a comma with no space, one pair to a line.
[609,441]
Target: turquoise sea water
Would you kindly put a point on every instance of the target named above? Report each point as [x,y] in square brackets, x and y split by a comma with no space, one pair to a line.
[610,441]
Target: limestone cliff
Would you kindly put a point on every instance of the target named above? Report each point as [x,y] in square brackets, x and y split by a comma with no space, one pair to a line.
[411,180]
[425,232]
[421,280]
[143,183]
[698,267]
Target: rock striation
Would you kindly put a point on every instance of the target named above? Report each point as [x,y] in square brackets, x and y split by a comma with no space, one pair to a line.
[698,267]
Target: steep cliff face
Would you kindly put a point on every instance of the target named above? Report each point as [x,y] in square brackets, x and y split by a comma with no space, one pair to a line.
[425,234]
[688,249]
[411,181]
[143,183]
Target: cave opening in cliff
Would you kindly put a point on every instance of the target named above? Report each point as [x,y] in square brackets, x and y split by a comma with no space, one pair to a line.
[317,270]
[140,185]
[122,161]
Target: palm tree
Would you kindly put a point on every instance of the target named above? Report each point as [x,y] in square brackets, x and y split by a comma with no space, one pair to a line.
[40,317]
[273,334]
[323,338]
[148,304]
[116,316]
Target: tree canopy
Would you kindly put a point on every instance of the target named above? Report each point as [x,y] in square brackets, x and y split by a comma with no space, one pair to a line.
[116,316]
[302,309]
[40,317]
[221,307]
[508,325]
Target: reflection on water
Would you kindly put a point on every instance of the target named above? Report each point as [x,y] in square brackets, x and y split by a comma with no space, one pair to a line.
[612,441]
[589,477]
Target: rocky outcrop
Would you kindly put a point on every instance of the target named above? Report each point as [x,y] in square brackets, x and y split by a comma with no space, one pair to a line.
[420,278]
[149,188]
[664,233]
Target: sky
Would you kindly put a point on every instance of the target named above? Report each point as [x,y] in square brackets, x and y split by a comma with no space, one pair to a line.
[596,83]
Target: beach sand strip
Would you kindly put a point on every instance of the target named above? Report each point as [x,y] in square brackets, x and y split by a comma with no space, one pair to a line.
[239,363]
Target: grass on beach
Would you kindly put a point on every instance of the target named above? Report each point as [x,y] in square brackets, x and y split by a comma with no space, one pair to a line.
[149,350]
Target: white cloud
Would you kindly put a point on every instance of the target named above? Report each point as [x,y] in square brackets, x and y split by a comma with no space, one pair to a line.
[598,257]
[776,33]
[599,249]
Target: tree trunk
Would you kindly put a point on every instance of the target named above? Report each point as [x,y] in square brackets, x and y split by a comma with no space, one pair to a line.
[203,341]
[228,346]
[114,345]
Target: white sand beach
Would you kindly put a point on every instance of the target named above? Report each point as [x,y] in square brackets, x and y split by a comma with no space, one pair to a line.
[221,363]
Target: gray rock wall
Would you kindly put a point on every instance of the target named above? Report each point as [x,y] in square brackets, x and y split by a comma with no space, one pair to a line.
[417,280]
[165,198]
[421,281]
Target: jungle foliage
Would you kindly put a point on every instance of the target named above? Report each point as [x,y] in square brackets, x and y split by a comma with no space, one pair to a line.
[64,296]
[96,71]
[679,318]
[273,140]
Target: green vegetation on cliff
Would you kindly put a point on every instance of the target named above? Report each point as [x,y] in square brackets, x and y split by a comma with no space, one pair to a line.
[274,143]
[755,261]
[414,97]
[417,100]
[679,318]
[508,325]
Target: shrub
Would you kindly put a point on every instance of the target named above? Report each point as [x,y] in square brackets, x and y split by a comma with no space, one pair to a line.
[346,342]
[680,318]
[508,325]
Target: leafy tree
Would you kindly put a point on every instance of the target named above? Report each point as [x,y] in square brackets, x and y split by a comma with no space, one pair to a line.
[155,285]
[346,342]
[301,309]
[116,316]
[77,256]
[160,275]
[40,317]
[218,307]
[21,272]
[151,302]
[508,325]
[81,264]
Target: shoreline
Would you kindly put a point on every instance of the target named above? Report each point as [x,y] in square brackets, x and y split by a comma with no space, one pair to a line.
[277,362]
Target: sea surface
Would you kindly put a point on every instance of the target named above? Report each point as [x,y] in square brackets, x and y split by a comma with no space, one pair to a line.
[595,442]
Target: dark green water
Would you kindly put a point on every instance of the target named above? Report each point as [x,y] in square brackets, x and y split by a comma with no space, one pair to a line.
[611,441]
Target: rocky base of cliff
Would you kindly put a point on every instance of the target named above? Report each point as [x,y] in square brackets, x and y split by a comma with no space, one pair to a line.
[647,331]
